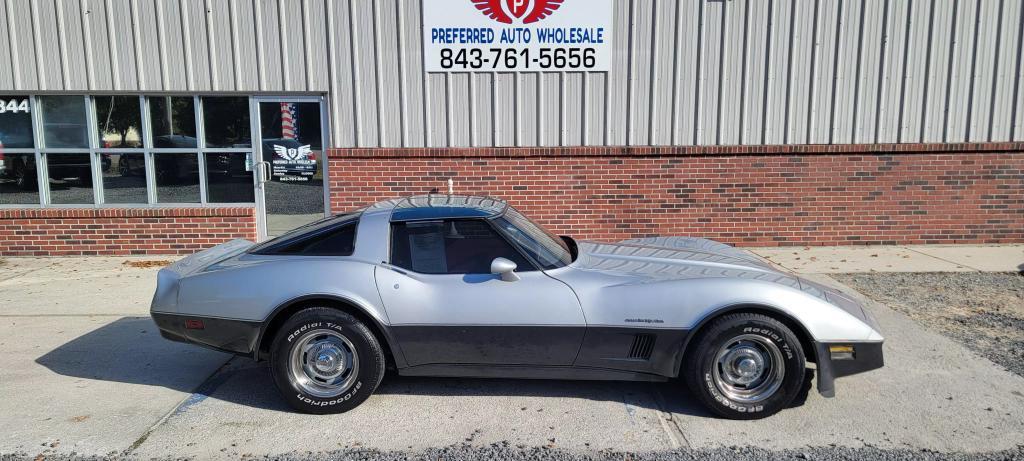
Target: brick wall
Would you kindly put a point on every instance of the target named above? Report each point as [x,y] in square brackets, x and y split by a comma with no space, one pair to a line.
[126,231]
[746,195]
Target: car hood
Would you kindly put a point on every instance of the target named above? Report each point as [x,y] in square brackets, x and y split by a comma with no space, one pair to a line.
[640,263]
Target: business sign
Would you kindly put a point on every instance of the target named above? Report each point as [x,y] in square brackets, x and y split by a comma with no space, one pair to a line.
[517,35]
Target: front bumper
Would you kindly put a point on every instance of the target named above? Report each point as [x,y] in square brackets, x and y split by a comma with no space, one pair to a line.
[866,356]
[225,335]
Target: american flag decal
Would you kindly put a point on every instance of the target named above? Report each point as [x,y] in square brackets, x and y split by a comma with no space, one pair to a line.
[289,129]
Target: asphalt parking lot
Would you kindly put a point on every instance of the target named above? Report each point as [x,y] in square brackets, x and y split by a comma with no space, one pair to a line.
[85,372]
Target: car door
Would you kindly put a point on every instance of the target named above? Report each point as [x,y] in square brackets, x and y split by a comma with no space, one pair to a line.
[445,307]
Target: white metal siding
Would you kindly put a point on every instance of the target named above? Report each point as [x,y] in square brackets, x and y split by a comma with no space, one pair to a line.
[684,71]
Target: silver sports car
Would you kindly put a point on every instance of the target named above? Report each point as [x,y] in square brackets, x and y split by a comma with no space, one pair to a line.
[444,285]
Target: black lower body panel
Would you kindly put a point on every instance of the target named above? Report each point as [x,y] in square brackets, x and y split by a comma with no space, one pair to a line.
[867,356]
[226,335]
[528,372]
[489,344]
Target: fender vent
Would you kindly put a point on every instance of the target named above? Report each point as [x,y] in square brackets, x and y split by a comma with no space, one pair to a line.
[643,345]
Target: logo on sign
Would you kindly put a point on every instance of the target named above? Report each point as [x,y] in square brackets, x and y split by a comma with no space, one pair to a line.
[510,11]
[299,153]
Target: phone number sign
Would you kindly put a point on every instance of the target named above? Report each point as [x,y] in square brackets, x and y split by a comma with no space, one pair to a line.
[517,35]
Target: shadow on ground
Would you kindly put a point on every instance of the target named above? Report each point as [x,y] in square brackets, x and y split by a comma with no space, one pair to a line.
[130,350]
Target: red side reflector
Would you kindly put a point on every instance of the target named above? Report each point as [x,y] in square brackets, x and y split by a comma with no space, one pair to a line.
[193,324]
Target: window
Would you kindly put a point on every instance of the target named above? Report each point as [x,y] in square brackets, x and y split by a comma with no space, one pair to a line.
[229,177]
[70,178]
[124,177]
[64,122]
[226,122]
[119,121]
[333,236]
[549,251]
[127,150]
[450,247]
[18,179]
[15,123]
[173,122]
[177,177]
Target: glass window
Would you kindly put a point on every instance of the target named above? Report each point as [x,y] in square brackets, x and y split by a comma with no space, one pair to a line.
[119,121]
[332,241]
[18,179]
[173,121]
[229,177]
[124,178]
[450,247]
[226,121]
[177,177]
[70,178]
[548,250]
[64,121]
[15,122]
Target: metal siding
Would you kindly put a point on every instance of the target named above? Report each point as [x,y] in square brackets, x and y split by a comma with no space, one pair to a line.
[504,103]
[572,109]
[1007,83]
[6,62]
[122,50]
[459,110]
[776,102]
[532,118]
[683,71]
[483,125]
[245,64]
[594,126]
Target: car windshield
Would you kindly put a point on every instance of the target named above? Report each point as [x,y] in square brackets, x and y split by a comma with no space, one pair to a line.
[548,250]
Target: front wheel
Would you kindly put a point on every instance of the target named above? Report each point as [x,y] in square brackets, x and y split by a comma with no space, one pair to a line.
[325,361]
[746,366]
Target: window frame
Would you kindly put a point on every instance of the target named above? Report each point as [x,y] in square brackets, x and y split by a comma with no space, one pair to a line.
[490,224]
[95,151]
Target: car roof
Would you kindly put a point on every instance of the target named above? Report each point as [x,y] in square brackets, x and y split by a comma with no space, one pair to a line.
[441,206]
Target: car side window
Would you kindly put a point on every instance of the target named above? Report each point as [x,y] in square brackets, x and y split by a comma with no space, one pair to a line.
[338,240]
[458,246]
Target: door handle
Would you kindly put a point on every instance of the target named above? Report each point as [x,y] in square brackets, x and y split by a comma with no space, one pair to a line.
[264,170]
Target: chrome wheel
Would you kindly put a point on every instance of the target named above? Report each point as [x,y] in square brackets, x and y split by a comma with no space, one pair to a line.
[749,368]
[324,363]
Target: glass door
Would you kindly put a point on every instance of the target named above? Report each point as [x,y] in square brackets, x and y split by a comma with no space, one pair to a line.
[290,164]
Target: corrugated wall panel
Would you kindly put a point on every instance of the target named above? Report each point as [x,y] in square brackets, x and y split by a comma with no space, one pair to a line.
[23,49]
[483,96]
[504,102]
[6,63]
[1007,85]
[537,110]
[979,109]
[122,47]
[245,47]
[915,73]
[573,108]
[777,100]
[457,89]
[339,55]
[682,72]
[594,114]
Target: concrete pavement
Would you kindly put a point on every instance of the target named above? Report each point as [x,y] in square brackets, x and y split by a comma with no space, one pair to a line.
[897,258]
[84,371]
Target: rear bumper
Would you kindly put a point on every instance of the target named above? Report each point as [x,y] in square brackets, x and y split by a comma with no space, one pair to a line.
[225,335]
[867,356]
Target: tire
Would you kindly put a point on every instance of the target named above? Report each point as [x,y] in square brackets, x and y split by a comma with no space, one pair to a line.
[745,366]
[350,370]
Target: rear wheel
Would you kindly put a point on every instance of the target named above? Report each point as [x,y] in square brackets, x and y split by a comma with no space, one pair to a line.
[746,366]
[325,361]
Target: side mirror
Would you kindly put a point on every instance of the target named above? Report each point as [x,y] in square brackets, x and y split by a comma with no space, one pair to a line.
[505,268]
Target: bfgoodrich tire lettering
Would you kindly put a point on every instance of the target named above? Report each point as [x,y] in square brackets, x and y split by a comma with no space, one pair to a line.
[745,366]
[325,361]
